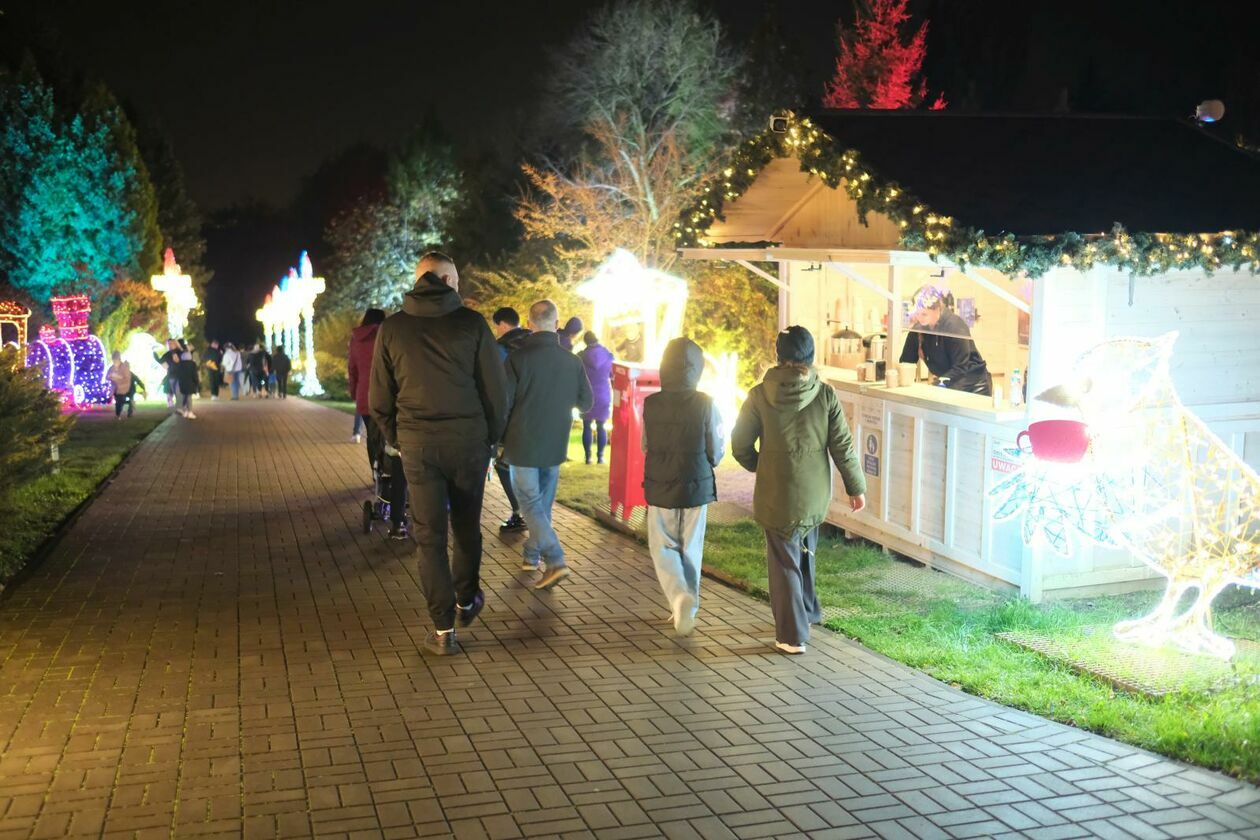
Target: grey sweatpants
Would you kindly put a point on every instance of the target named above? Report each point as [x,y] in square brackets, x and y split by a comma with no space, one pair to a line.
[676,541]
[793,600]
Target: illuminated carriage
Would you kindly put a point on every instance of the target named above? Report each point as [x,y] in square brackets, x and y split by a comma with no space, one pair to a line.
[71,359]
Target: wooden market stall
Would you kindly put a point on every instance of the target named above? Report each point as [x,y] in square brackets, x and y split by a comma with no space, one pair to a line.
[1018,218]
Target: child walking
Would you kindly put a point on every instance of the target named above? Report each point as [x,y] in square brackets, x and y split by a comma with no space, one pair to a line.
[682,444]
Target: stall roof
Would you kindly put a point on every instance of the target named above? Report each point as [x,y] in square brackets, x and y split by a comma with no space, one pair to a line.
[1031,175]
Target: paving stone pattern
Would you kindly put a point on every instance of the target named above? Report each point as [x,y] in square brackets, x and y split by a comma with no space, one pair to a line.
[215,649]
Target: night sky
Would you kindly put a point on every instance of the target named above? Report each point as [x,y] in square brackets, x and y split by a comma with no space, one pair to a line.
[256,95]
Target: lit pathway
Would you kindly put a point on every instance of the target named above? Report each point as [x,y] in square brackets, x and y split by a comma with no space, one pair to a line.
[214,648]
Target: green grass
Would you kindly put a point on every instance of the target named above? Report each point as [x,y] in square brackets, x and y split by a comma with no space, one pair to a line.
[945,627]
[346,406]
[97,444]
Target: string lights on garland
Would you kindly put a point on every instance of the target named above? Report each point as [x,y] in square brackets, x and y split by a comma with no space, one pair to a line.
[922,229]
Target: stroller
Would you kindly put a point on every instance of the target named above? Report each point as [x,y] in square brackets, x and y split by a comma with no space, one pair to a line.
[390,502]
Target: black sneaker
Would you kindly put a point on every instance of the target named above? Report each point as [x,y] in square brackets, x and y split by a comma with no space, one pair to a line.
[467,615]
[515,522]
[441,644]
[398,531]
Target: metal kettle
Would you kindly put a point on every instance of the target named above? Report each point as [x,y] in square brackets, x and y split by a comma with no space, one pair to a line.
[875,345]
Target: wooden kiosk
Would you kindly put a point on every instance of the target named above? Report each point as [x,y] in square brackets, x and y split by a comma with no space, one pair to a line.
[1019,218]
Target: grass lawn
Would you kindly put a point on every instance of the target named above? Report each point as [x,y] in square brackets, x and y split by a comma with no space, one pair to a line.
[96,445]
[341,405]
[945,627]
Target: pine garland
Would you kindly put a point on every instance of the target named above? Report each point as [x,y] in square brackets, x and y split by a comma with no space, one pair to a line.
[922,229]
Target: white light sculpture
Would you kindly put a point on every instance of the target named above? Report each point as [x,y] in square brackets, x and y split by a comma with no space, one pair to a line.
[1155,481]
[139,355]
[307,287]
[626,294]
[181,298]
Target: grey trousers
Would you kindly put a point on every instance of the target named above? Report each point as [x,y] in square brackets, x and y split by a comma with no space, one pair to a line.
[676,540]
[793,600]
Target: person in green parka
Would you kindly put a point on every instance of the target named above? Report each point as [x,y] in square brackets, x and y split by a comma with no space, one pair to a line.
[789,431]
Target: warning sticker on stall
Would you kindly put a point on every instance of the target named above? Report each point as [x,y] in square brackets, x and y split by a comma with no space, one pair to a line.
[870,458]
[1003,458]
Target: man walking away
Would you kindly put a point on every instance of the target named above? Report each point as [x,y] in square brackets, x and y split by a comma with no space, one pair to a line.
[544,384]
[437,393]
[214,363]
[359,369]
[509,334]
[260,371]
[232,369]
[188,384]
[281,365]
[787,427]
[682,442]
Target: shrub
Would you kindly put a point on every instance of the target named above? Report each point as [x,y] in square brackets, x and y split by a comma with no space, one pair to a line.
[30,423]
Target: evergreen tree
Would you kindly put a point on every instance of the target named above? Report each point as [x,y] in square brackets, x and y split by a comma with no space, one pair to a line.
[876,67]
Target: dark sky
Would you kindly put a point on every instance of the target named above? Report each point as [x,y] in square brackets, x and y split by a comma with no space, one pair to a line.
[256,94]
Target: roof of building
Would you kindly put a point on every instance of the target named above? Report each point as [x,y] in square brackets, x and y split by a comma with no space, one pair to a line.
[1032,175]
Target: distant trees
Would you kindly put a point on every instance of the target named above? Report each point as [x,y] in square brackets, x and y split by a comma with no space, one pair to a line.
[878,66]
[376,243]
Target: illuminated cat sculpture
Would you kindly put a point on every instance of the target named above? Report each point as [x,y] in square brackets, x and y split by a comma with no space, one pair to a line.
[1162,486]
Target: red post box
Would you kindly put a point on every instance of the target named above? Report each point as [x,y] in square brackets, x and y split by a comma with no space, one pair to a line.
[630,386]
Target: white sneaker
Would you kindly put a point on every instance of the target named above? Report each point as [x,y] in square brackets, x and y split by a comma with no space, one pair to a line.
[191,416]
[356,438]
[795,650]
[213,397]
[685,623]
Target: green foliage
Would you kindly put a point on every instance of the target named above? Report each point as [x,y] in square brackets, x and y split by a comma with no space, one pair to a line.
[376,244]
[731,310]
[922,229]
[525,278]
[332,346]
[94,447]
[30,423]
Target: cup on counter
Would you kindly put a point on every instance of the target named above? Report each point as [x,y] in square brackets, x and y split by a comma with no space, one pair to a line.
[891,378]
[869,370]
[905,373]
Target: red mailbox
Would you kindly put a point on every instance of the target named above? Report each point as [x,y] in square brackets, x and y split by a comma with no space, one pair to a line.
[630,386]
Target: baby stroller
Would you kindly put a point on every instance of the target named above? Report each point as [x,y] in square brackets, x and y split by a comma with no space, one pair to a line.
[390,502]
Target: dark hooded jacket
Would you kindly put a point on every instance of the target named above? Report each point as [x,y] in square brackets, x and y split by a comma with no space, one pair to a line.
[787,427]
[544,385]
[682,435]
[437,378]
[359,365]
[571,330]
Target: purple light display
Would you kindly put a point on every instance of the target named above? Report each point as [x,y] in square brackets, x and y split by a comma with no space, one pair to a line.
[73,363]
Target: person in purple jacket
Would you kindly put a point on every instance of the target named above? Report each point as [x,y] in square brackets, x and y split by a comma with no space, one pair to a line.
[598,363]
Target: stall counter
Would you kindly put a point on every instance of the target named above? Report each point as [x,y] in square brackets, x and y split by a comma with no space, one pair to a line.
[926,396]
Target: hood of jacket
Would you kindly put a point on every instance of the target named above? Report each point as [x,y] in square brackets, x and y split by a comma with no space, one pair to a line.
[513,337]
[791,388]
[364,334]
[573,326]
[681,365]
[431,298]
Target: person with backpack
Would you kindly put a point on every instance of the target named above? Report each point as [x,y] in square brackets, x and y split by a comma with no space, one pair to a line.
[789,432]
[682,445]
[120,379]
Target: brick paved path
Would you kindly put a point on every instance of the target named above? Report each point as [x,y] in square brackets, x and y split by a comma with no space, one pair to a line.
[214,648]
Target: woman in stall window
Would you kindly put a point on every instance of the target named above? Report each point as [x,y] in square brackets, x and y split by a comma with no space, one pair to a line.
[942,340]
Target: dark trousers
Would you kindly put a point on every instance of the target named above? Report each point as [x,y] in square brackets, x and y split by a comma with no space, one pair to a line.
[390,468]
[600,438]
[447,484]
[505,478]
[282,385]
[791,568]
[216,382]
[123,399]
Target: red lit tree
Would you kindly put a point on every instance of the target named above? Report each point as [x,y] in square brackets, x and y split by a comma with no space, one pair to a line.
[876,66]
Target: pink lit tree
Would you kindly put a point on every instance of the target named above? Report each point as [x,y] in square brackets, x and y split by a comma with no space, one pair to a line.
[878,66]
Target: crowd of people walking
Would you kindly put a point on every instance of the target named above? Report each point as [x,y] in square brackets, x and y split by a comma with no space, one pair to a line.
[441,396]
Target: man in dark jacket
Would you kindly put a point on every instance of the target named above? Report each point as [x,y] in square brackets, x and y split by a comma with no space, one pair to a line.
[787,428]
[509,334]
[942,340]
[214,363]
[544,384]
[682,442]
[281,365]
[437,394]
